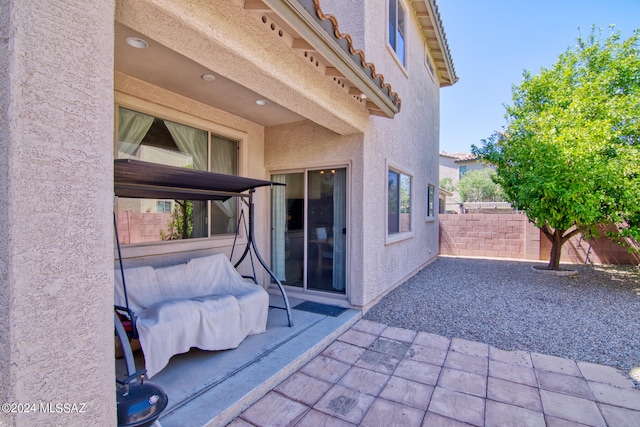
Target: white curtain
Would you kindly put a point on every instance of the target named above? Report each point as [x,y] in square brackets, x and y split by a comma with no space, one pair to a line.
[278,226]
[194,142]
[191,141]
[223,161]
[132,128]
[339,228]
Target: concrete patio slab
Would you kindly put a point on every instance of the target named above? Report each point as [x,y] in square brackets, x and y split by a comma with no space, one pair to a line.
[604,374]
[483,387]
[514,394]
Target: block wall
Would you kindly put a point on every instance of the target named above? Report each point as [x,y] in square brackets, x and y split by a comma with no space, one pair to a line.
[514,236]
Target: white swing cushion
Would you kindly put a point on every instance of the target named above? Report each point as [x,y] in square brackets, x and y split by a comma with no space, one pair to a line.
[204,303]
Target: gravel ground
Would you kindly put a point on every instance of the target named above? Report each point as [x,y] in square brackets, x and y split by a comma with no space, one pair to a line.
[592,317]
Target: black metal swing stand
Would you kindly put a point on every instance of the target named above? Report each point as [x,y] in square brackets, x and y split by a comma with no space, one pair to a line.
[139,179]
[251,246]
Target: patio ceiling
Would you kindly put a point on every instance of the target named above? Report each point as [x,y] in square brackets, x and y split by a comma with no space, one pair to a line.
[183,77]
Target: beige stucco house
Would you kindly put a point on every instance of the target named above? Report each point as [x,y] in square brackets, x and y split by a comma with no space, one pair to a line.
[271,89]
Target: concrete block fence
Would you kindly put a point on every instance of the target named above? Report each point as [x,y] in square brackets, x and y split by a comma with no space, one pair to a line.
[514,236]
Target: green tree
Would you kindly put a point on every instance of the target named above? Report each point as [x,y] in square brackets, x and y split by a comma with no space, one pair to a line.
[479,186]
[570,152]
[447,184]
[180,225]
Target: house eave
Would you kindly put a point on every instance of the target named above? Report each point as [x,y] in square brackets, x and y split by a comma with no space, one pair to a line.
[435,37]
[321,33]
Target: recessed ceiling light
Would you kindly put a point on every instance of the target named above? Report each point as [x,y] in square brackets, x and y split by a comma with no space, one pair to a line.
[208,77]
[262,102]
[136,42]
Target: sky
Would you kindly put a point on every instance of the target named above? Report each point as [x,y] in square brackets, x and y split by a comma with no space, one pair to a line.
[492,42]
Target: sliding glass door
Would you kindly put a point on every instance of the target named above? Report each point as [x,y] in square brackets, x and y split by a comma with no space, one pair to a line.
[309,230]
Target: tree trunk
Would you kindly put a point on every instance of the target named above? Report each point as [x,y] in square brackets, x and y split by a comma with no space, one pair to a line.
[556,249]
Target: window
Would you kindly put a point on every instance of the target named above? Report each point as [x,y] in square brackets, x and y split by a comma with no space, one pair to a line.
[431,199]
[399,203]
[164,206]
[397,29]
[151,139]
[428,62]
[461,171]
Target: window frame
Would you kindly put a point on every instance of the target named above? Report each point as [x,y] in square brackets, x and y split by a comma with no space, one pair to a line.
[432,196]
[398,26]
[429,64]
[401,234]
[163,112]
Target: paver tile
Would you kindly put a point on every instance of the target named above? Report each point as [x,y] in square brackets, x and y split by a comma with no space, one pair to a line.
[623,397]
[514,394]
[520,358]
[431,419]
[432,355]
[361,339]
[325,368]
[459,406]
[344,352]
[428,339]
[345,403]
[464,382]
[303,388]
[514,373]
[467,362]
[274,410]
[620,417]
[239,422]
[384,413]
[418,371]
[379,362]
[389,346]
[555,364]
[559,422]
[501,414]
[575,386]
[369,327]
[604,374]
[399,334]
[317,418]
[414,394]
[364,380]
[571,408]
[473,348]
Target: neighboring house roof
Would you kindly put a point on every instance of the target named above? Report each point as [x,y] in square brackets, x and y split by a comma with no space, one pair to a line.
[433,31]
[459,156]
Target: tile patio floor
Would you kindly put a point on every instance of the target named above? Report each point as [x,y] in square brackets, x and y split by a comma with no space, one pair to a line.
[374,375]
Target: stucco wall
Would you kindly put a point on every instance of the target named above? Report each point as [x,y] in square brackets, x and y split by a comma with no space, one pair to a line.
[56,133]
[408,143]
[301,145]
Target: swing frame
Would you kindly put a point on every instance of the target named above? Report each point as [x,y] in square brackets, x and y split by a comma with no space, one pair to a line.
[139,179]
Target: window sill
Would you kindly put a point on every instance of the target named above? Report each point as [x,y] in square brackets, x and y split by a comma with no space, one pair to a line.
[394,55]
[398,237]
[137,250]
[431,219]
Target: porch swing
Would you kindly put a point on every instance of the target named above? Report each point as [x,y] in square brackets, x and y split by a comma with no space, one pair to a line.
[139,179]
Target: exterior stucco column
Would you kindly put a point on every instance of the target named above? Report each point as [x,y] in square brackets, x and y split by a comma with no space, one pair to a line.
[56,197]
